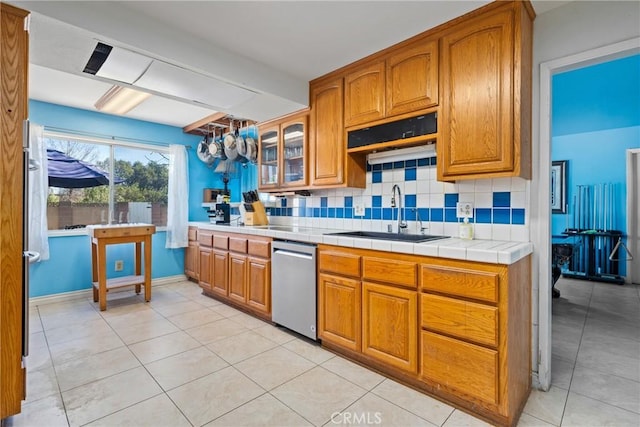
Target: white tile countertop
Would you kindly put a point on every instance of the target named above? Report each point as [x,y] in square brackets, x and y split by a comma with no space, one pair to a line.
[491,251]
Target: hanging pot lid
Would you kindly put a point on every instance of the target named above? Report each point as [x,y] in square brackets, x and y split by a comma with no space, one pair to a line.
[215,147]
[250,144]
[241,146]
[252,150]
[203,152]
[230,138]
[239,140]
[231,153]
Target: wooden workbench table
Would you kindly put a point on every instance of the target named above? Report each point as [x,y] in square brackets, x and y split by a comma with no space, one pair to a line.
[103,235]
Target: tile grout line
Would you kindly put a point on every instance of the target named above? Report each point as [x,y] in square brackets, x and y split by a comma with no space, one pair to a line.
[325,369]
[591,296]
[575,362]
[55,373]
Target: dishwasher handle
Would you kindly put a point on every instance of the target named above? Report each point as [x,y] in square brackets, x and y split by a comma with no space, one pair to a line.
[292,253]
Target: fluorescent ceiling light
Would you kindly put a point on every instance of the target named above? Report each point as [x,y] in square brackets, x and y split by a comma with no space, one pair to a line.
[162,78]
[124,66]
[120,100]
[182,83]
[401,154]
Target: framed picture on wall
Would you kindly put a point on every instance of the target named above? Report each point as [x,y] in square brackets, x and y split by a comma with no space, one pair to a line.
[559,186]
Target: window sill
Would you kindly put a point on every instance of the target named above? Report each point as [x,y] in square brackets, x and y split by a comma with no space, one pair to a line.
[82,232]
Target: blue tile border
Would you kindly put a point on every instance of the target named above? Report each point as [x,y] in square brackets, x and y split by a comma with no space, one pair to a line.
[500,211]
[501,216]
[483,215]
[517,216]
[497,215]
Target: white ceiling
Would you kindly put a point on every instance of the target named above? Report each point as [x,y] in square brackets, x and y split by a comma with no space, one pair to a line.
[271,48]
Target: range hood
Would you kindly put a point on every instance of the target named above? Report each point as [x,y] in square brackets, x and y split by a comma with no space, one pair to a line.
[400,133]
[128,68]
[401,154]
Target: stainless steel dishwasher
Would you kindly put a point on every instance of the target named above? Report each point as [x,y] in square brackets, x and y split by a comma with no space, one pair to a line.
[293,286]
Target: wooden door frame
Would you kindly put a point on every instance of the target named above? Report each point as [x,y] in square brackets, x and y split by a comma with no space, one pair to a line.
[541,211]
[633,154]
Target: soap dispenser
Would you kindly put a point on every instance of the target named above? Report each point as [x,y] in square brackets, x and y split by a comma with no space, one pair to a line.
[466,229]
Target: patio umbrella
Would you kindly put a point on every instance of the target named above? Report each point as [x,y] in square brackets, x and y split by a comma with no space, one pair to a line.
[67,172]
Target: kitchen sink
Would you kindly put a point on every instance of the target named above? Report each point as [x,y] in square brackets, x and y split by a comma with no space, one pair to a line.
[413,238]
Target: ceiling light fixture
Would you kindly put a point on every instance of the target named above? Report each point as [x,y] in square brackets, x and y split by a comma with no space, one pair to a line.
[400,154]
[120,100]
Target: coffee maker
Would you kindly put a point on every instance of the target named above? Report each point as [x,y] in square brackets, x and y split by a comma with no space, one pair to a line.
[222,213]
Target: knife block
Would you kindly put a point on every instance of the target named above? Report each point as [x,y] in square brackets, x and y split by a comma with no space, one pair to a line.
[258,216]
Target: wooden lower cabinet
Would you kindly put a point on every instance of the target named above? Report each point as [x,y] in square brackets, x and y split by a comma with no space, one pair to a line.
[205,262]
[259,284]
[236,269]
[390,325]
[460,366]
[463,319]
[459,330]
[237,277]
[192,255]
[191,260]
[339,311]
[219,270]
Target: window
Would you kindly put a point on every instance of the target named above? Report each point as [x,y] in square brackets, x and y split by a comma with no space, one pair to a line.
[83,193]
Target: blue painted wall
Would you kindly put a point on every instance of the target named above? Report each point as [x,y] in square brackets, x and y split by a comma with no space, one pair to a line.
[600,97]
[69,268]
[595,119]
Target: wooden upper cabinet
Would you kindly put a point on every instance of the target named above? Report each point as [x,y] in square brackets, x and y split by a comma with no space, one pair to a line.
[268,156]
[412,78]
[328,149]
[283,156]
[294,152]
[485,111]
[364,89]
[404,81]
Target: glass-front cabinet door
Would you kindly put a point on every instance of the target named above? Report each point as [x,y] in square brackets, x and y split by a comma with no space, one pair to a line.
[283,155]
[269,156]
[294,152]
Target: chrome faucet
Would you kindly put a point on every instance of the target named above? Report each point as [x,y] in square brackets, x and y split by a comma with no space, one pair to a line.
[402,225]
[421,228]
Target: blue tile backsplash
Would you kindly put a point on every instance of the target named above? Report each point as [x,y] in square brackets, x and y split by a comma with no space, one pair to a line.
[498,202]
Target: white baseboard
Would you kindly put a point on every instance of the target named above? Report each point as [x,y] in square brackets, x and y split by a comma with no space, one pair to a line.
[88,293]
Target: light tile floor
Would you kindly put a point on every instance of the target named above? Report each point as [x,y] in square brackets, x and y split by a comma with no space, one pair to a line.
[595,366]
[187,360]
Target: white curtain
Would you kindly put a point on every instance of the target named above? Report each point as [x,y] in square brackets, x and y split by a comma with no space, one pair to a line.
[38,189]
[178,203]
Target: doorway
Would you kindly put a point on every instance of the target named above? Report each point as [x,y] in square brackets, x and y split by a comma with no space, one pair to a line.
[542,239]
